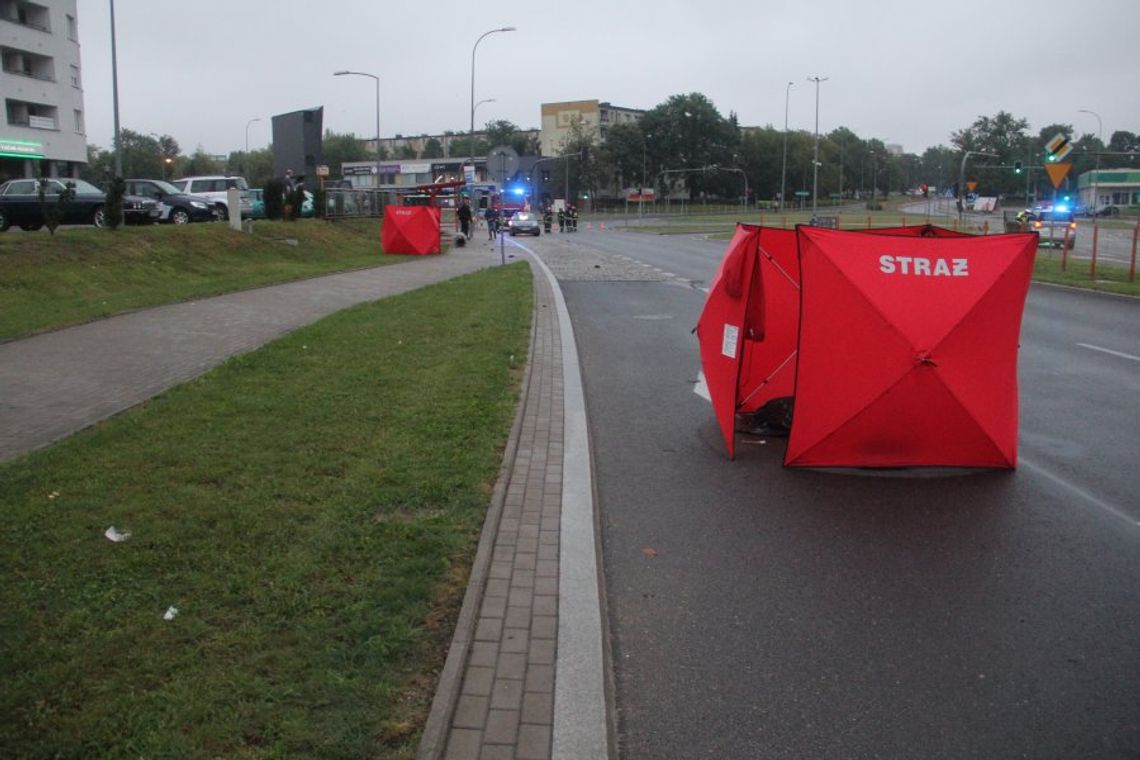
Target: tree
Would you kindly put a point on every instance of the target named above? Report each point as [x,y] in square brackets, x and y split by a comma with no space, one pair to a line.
[433,148]
[407,151]
[620,159]
[200,163]
[339,149]
[689,133]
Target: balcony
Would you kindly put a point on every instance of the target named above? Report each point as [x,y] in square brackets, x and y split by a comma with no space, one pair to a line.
[25,14]
[25,64]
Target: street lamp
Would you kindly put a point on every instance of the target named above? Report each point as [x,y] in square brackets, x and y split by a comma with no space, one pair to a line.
[471,135]
[815,159]
[245,156]
[373,76]
[1096,171]
[784,166]
[962,177]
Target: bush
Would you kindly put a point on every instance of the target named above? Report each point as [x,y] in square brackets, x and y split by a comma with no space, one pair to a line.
[114,208]
[53,212]
[274,197]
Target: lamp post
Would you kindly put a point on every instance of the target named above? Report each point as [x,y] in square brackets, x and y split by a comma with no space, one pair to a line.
[245,156]
[471,134]
[115,97]
[1096,171]
[962,178]
[373,76]
[815,158]
[784,165]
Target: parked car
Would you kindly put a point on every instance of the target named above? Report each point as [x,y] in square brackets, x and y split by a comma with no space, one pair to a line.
[257,204]
[1100,211]
[524,222]
[20,204]
[174,206]
[216,188]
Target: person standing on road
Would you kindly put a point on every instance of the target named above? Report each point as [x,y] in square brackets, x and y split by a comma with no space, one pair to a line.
[464,215]
[492,217]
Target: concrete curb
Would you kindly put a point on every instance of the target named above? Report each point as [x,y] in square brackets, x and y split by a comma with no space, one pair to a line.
[433,743]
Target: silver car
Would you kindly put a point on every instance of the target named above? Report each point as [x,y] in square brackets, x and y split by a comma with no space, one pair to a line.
[524,222]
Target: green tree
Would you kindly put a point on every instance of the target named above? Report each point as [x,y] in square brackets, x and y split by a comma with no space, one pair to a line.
[620,158]
[256,166]
[407,152]
[433,148]
[199,163]
[689,133]
[339,149]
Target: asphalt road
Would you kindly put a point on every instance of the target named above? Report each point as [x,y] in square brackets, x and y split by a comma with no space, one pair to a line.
[762,612]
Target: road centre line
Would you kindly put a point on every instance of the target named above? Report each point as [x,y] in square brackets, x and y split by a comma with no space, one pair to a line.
[1121,354]
[1078,491]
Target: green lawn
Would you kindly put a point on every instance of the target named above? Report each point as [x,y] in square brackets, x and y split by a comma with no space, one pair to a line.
[80,274]
[311,510]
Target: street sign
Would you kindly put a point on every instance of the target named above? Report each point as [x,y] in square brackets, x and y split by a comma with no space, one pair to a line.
[802,193]
[1057,173]
[1058,147]
[322,171]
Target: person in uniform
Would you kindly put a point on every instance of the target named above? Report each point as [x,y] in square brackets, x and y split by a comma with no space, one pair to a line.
[492,217]
[547,219]
[562,219]
[464,215]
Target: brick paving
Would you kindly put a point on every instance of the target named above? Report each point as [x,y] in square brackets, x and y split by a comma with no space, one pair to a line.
[505,707]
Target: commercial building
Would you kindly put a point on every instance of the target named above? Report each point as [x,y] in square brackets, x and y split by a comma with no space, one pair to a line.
[42,85]
[1111,187]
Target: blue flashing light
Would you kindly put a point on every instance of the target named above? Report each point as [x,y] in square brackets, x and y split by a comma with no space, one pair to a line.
[518,190]
[1061,207]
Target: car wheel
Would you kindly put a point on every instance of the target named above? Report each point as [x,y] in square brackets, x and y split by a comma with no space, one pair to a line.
[99,217]
[223,212]
[179,216]
[4,223]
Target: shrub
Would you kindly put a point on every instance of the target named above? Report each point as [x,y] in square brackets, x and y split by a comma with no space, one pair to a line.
[53,212]
[114,207]
[273,196]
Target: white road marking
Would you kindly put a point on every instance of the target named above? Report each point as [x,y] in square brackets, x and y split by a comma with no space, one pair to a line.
[1078,491]
[1121,354]
[701,388]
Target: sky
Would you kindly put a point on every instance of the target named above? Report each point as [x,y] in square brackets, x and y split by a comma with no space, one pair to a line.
[908,73]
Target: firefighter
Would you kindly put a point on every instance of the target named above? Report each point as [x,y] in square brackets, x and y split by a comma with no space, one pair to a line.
[573,218]
[547,219]
[492,217]
[562,219]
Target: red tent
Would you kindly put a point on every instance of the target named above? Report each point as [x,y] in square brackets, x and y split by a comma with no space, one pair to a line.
[908,350]
[750,324]
[410,229]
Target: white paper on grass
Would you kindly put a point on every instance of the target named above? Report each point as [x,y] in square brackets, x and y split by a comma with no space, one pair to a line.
[116,536]
[170,613]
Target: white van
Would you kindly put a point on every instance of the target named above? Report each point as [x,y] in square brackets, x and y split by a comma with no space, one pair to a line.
[216,189]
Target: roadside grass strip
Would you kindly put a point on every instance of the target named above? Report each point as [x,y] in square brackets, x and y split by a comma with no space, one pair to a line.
[1111,278]
[301,523]
[81,274]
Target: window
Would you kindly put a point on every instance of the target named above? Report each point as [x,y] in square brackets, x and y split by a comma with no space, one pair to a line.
[72,29]
[74,75]
[79,122]
[22,187]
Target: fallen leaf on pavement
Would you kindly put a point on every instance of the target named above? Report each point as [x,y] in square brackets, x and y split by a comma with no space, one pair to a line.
[649,551]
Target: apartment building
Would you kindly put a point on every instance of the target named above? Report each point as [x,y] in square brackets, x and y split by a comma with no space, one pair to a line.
[595,118]
[41,83]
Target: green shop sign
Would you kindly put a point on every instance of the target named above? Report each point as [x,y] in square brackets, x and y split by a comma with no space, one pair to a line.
[21,148]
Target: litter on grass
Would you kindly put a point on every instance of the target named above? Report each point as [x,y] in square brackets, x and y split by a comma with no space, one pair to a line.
[171,612]
[116,536]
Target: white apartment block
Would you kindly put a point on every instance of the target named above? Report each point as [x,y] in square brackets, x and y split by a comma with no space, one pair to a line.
[41,82]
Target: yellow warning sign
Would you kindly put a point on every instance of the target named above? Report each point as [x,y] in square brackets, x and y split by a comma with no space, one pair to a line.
[971,185]
[1057,173]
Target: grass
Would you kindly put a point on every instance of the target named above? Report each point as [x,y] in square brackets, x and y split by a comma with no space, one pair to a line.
[1109,278]
[311,509]
[80,274]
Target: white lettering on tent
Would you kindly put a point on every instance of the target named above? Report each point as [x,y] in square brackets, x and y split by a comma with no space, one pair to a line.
[919,266]
[730,340]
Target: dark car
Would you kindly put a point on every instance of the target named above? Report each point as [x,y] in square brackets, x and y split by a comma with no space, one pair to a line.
[20,204]
[174,206]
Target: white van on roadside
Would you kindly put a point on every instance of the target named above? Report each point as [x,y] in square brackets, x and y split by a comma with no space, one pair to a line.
[216,188]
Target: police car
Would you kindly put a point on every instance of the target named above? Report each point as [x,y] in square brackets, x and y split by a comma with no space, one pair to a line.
[1055,226]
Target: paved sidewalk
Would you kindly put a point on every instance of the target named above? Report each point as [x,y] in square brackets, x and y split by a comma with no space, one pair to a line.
[57,383]
[525,676]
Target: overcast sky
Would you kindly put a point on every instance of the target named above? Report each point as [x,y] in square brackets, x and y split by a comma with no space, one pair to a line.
[905,72]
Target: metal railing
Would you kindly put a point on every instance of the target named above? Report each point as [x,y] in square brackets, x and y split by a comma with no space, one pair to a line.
[343,203]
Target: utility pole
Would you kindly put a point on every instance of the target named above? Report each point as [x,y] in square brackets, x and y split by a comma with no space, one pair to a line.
[815,158]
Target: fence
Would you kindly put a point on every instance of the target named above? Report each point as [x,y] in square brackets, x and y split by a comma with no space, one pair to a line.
[343,203]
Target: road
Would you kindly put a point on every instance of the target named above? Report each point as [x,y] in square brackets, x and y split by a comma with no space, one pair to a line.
[771,613]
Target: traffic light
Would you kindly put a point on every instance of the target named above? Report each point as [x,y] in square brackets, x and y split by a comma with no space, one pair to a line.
[1017,167]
